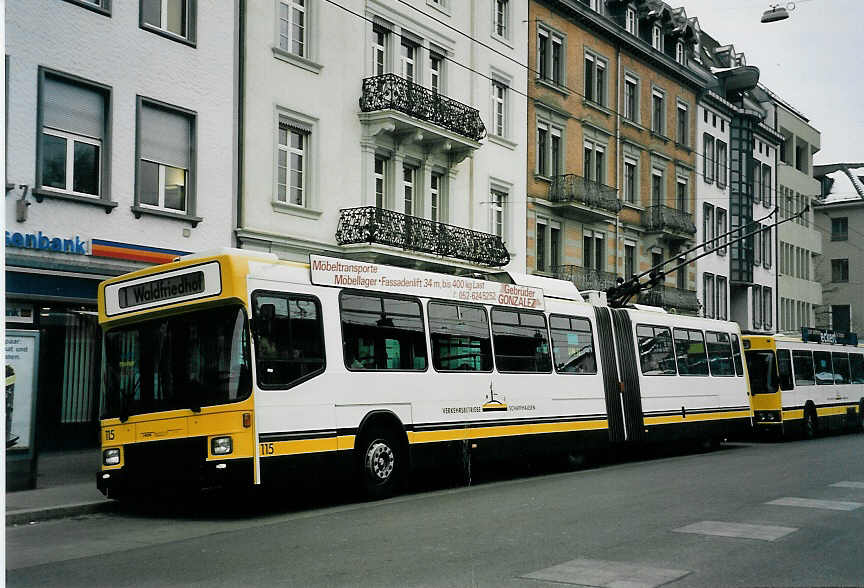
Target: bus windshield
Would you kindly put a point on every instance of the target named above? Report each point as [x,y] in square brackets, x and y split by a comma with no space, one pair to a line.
[762,368]
[190,360]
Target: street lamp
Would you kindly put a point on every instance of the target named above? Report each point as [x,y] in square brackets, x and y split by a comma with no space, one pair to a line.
[777,12]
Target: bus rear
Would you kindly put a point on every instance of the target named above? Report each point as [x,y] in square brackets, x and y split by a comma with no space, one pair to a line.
[177,403]
[766,400]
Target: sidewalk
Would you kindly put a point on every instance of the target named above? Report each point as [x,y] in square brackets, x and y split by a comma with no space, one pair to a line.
[65,486]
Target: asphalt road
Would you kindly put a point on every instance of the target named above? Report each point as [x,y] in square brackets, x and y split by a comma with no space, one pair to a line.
[623,524]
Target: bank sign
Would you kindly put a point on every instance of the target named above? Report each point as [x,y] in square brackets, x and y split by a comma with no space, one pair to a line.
[71,245]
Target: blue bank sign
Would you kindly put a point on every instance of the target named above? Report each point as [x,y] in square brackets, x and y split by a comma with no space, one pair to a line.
[38,241]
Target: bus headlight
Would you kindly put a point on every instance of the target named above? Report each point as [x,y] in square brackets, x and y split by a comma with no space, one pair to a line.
[221,445]
[111,457]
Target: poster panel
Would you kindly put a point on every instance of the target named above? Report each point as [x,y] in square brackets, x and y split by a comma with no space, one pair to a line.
[21,357]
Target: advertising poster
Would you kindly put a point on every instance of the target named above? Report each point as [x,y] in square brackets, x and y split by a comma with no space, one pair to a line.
[21,355]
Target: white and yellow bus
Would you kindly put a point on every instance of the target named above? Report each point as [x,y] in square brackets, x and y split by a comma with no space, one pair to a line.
[803,387]
[236,367]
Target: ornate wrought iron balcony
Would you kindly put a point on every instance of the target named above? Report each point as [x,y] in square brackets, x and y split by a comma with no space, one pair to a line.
[667,219]
[390,91]
[669,297]
[584,278]
[573,188]
[370,224]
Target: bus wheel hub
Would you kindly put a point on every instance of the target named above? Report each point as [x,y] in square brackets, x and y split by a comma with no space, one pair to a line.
[379,460]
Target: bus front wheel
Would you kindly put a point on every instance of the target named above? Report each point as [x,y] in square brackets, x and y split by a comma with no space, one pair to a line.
[381,463]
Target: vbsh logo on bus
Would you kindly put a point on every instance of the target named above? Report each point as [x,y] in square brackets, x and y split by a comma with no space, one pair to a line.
[328,271]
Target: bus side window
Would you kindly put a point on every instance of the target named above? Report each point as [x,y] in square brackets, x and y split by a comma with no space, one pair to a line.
[656,354]
[289,338]
[690,352]
[521,341]
[460,337]
[823,367]
[719,354]
[784,367]
[736,355]
[802,360]
[572,345]
[382,332]
[841,368]
[856,365]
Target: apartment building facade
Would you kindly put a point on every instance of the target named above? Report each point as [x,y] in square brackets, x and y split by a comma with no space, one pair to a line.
[840,272]
[389,132]
[121,152]
[611,153]
[799,250]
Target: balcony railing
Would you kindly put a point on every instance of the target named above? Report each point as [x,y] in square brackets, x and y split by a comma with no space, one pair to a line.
[390,91]
[669,297]
[584,278]
[672,220]
[573,188]
[370,224]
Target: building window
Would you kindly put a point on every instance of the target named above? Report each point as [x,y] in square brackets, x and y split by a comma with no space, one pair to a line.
[766,185]
[499,108]
[380,182]
[721,230]
[839,270]
[175,17]
[379,51]
[502,18]
[680,54]
[593,250]
[683,125]
[498,200]
[73,154]
[542,149]
[630,181]
[708,226]
[550,56]
[708,158]
[631,99]
[549,153]
[165,157]
[406,59]
[631,21]
[656,259]
[757,247]
[597,6]
[594,166]
[595,79]
[757,306]
[657,38]
[766,247]
[292,26]
[682,195]
[293,164]
[767,308]
[555,245]
[100,6]
[658,195]
[436,66]
[840,317]
[629,260]
[721,164]
[436,202]
[681,276]
[658,112]
[722,294]
[840,229]
[708,293]
[541,246]
[408,175]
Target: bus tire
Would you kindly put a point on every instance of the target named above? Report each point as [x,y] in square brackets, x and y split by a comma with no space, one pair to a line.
[810,423]
[382,463]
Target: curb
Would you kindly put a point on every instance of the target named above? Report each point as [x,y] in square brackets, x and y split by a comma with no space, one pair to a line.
[35,515]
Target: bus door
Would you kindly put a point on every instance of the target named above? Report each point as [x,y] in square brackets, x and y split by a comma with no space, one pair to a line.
[620,375]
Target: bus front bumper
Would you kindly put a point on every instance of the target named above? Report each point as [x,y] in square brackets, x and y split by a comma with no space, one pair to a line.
[119,482]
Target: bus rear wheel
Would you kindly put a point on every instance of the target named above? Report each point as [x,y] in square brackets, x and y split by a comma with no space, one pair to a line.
[381,463]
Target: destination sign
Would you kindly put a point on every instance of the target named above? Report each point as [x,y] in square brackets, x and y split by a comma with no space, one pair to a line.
[327,271]
[188,283]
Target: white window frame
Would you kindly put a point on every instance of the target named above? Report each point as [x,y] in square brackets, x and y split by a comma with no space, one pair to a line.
[721,228]
[722,310]
[599,92]
[292,5]
[162,27]
[598,6]
[499,108]
[631,79]
[589,168]
[548,38]
[661,129]
[631,22]
[304,154]
[380,50]
[708,294]
[680,55]
[681,181]
[683,106]
[405,60]
[382,178]
[436,197]
[632,245]
[541,228]
[498,197]
[436,75]
[658,173]
[657,37]
[161,198]
[708,225]
[708,157]
[501,19]
[409,200]
[722,166]
[71,139]
[634,163]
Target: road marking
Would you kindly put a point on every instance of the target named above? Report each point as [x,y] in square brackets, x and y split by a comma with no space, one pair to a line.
[743,530]
[813,503]
[848,485]
[609,574]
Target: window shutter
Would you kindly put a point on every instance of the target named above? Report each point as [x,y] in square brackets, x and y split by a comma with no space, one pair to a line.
[165,136]
[296,125]
[73,108]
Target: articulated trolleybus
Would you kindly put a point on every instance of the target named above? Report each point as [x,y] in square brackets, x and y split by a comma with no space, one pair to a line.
[235,367]
[805,386]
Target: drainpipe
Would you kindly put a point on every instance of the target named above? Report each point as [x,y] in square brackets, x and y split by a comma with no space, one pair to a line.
[240,95]
[618,158]
[471,194]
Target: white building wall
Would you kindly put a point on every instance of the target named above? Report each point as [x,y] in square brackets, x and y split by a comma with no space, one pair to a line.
[766,277]
[323,92]
[114,51]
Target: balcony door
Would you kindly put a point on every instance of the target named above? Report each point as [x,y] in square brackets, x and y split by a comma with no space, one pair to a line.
[407,61]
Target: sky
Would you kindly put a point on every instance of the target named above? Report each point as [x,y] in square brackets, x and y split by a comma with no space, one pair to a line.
[814,60]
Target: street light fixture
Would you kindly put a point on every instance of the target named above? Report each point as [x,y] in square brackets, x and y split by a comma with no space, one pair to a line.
[776,13]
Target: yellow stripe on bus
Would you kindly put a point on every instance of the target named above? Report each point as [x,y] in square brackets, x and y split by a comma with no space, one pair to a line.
[709,416]
[797,414]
